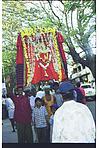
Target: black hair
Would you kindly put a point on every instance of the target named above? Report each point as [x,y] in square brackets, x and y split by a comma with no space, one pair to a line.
[8,95]
[56,84]
[78,84]
[69,95]
[19,87]
[3,96]
[39,89]
[38,99]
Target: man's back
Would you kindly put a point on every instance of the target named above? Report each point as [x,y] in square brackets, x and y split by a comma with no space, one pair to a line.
[73,123]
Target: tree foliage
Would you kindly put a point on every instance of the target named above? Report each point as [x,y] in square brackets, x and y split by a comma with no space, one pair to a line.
[75,19]
[78,29]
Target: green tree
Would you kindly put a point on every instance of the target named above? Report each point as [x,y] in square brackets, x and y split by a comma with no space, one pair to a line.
[17,15]
[78,35]
[9,68]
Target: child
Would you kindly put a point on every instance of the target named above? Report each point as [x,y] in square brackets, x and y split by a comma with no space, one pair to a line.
[40,120]
[54,107]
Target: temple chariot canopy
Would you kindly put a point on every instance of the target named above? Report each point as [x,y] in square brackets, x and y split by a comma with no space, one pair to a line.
[40,56]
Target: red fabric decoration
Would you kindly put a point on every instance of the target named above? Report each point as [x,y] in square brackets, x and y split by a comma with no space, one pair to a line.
[41,59]
[60,40]
[19,56]
[19,63]
[42,74]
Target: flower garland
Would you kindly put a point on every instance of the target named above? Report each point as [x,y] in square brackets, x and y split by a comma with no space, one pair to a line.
[33,31]
[47,63]
[57,54]
[27,32]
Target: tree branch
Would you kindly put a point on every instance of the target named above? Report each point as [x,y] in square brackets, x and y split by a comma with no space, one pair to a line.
[47,13]
[54,12]
[59,9]
[61,2]
[68,31]
[90,31]
[76,56]
[77,39]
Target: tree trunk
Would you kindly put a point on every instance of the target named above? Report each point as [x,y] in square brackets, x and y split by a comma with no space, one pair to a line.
[90,61]
[91,64]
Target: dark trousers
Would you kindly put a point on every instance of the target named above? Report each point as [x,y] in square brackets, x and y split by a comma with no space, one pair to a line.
[48,134]
[12,124]
[42,135]
[24,132]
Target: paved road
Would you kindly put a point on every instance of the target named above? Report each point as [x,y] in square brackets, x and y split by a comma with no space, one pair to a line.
[7,135]
[92,106]
[11,137]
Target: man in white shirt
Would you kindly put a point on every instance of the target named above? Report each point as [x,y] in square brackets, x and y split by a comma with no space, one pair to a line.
[11,108]
[59,99]
[32,96]
[73,121]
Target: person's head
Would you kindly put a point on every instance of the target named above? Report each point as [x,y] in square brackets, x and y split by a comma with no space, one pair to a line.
[78,84]
[8,96]
[46,83]
[28,93]
[38,102]
[69,95]
[33,91]
[56,86]
[20,90]
[40,89]
[66,90]
[54,107]
[47,91]
[16,92]
[3,96]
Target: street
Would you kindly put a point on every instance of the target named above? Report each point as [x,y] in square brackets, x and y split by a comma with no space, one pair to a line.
[92,106]
[11,137]
[7,135]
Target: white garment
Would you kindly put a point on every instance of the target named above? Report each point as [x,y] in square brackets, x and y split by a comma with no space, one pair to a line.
[11,113]
[10,107]
[73,123]
[32,102]
[3,101]
[40,94]
[39,117]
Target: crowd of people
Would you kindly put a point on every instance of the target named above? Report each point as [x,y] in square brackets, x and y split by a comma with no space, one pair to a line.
[55,113]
